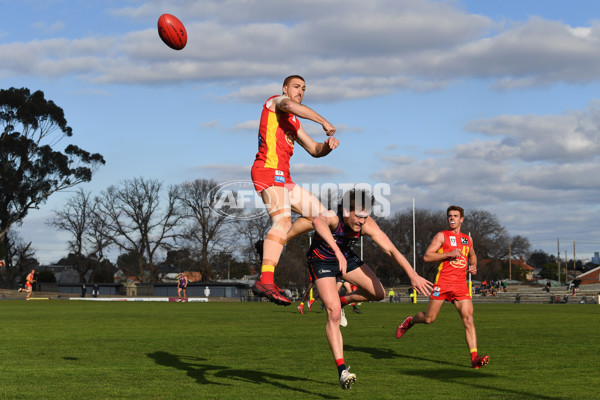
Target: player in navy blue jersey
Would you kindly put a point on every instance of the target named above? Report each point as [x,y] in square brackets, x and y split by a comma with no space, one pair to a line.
[330,256]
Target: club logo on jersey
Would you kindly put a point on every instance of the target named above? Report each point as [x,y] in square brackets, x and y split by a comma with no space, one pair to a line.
[290,136]
[460,262]
[453,241]
[280,179]
[464,241]
[278,173]
[436,291]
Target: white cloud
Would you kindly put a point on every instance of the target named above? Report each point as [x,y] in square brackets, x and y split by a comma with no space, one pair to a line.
[360,50]
[49,29]
[552,138]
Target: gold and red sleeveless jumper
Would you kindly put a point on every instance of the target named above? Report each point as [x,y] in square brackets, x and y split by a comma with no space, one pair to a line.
[277,134]
[451,279]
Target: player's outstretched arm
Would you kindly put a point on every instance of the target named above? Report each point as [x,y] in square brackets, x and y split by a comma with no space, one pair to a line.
[285,104]
[382,240]
[432,255]
[313,148]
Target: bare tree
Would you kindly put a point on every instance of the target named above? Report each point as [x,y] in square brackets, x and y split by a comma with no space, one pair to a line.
[20,258]
[209,229]
[74,218]
[78,217]
[490,238]
[520,247]
[251,231]
[135,221]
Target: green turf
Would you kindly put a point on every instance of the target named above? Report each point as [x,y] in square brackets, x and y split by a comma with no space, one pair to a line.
[62,349]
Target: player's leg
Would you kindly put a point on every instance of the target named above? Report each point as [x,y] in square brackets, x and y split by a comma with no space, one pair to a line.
[330,297]
[369,286]
[428,317]
[277,203]
[306,294]
[349,289]
[465,310]
[300,227]
[311,298]
[308,206]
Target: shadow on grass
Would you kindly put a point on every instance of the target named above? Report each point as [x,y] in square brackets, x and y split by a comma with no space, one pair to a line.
[388,354]
[452,375]
[197,369]
[468,378]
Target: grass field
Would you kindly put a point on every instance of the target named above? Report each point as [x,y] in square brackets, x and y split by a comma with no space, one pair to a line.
[62,349]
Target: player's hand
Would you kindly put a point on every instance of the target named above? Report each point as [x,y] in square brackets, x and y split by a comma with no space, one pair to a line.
[328,128]
[473,269]
[332,143]
[456,253]
[421,285]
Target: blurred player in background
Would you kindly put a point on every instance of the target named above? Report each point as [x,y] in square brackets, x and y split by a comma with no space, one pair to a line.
[182,287]
[307,295]
[29,284]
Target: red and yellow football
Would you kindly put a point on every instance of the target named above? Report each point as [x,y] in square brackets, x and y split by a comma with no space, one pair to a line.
[172,31]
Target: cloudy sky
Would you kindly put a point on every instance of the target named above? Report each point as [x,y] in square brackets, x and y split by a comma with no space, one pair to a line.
[489,104]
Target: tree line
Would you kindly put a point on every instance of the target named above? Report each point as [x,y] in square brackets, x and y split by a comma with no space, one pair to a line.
[183,227]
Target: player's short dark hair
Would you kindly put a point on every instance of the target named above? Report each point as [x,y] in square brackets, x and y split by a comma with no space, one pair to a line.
[289,78]
[456,208]
[357,200]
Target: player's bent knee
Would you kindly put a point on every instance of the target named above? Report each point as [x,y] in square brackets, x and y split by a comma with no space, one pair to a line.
[378,293]
[282,223]
[429,319]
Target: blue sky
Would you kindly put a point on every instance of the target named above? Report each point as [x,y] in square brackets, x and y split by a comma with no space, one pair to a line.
[490,104]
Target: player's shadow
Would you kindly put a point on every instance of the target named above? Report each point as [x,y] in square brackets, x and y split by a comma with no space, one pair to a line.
[468,378]
[388,354]
[193,366]
[197,369]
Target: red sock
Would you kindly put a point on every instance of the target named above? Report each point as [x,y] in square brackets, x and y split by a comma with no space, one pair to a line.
[473,354]
[344,301]
[267,273]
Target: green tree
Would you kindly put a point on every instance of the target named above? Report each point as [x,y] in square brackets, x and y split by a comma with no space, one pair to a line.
[46,276]
[31,170]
